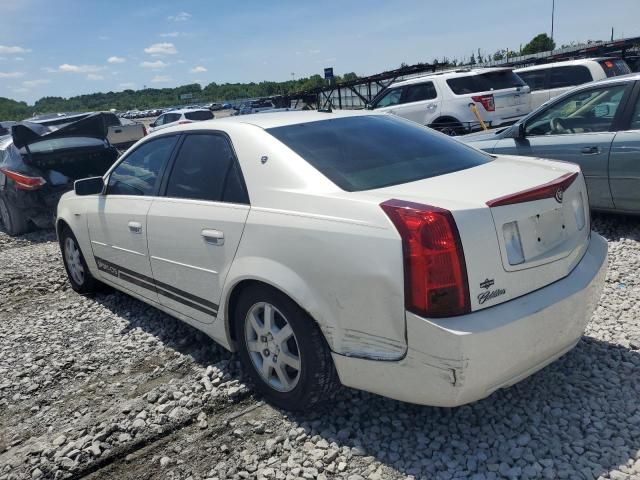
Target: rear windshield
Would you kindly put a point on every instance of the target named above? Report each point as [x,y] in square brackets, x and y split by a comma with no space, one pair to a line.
[615,67]
[367,152]
[199,115]
[485,82]
[53,144]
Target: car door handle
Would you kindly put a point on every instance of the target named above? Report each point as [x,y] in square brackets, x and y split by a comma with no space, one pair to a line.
[590,150]
[135,227]
[214,237]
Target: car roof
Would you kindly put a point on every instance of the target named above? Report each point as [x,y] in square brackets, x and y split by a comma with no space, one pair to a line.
[271,120]
[188,110]
[564,63]
[464,72]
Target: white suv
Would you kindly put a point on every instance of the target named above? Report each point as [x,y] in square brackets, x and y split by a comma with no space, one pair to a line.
[442,100]
[552,79]
[178,117]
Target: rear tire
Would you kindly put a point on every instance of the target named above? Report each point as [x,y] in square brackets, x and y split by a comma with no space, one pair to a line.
[14,221]
[283,350]
[79,275]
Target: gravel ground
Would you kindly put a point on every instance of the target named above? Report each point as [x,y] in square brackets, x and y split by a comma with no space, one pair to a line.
[108,387]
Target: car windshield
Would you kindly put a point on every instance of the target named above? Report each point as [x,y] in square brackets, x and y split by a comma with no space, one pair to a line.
[367,152]
[199,115]
[485,82]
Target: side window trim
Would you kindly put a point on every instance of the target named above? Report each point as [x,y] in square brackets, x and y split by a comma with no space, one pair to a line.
[163,169]
[235,164]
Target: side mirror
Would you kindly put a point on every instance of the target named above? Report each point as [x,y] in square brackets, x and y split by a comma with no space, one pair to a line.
[521,134]
[152,125]
[89,186]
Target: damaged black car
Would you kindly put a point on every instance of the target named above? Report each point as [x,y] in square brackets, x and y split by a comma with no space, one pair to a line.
[40,163]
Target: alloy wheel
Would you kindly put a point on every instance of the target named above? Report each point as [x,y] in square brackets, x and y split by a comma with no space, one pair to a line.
[272,346]
[74,263]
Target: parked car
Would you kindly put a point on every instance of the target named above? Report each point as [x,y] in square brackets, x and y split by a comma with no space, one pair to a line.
[441,100]
[597,126]
[179,117]
[39,163]
[552,79]
[257,106]
[353,247]
[121,132]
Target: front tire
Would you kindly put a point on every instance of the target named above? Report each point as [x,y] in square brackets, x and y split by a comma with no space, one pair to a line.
[452,128]
[79,275]
[14,221]
[283,350]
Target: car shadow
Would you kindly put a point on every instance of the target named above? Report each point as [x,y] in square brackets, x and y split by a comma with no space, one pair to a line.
[34,236]
[570,420]
[615,227]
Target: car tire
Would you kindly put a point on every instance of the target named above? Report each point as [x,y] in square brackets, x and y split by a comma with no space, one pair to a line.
[78,273]
[289,363]
[452,128]
[13,220]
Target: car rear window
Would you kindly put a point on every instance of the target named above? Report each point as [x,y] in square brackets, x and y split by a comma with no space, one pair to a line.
[569,76]
[367,152]
[485,82]
[199,115]
[615,67]
[53,144]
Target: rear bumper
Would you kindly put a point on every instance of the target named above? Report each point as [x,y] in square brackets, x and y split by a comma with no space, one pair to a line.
[39,206]
[455,361]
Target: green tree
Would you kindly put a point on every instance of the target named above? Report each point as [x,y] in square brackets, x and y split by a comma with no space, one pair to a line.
[472,60]
[540,43]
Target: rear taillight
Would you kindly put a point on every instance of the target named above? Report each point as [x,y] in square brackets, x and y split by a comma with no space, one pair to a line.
[553,189]
[144,131]
[435,273]
[24,182]
[487,102]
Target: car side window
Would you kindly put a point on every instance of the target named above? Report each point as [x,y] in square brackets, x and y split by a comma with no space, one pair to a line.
[534,78]
[569,76]
[139,172]
[392,97]
[160,120]
[206,169]
[586,111]
[420,92]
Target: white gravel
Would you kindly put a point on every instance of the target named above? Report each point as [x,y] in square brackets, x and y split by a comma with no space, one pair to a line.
[107,387]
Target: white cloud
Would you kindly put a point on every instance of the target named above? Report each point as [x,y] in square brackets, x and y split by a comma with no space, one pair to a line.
[94,76]
[171,34]
[157,65]
[115,59]
[49,69]
[65,67]
[127,84]
[11,74]
[35,83]
[6,50]
[198,69]
[161,79]
[180,17]
[164,48]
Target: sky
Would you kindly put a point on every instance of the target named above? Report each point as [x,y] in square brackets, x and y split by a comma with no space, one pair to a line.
[70,47]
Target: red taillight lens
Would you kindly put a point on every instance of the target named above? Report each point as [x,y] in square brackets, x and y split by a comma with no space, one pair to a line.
[24,182]
[487,102]
[553,189]
[435,273]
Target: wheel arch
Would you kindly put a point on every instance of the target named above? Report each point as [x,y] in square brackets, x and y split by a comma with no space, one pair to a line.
[278,277]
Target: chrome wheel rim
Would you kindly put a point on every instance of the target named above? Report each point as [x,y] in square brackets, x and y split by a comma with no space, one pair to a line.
[72,257]
[273,347]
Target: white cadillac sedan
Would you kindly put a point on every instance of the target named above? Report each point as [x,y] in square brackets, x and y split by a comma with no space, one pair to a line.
[353,248]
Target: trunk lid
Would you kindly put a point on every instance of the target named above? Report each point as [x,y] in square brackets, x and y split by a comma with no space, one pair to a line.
[91,126]
[512,245]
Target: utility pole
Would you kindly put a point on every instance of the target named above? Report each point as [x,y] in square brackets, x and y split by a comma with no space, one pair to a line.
[553,11]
